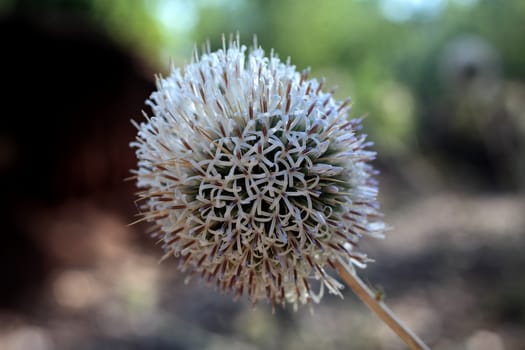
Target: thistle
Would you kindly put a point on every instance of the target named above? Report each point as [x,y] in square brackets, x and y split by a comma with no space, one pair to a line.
[253,175]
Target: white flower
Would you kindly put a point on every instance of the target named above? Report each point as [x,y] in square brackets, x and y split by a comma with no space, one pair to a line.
[254,176]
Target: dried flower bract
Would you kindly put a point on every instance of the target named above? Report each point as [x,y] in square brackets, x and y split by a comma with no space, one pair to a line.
[254,176]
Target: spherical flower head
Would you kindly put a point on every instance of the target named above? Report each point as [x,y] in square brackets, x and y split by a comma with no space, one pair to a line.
[254,177]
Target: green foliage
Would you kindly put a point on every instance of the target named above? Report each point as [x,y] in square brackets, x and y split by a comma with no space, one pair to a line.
[392,69]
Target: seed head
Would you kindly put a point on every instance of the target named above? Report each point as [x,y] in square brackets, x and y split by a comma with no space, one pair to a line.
[254,177]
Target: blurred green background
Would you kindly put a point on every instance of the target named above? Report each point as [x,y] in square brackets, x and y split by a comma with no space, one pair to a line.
[441,87]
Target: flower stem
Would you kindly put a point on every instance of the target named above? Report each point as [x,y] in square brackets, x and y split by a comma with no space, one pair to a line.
[380,308]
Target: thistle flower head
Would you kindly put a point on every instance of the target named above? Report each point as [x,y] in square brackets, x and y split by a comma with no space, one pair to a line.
[254,177]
